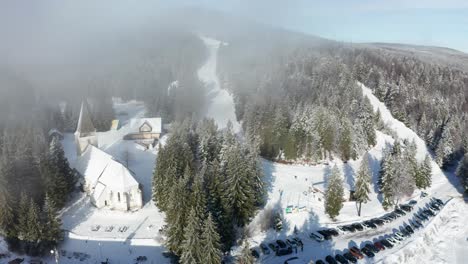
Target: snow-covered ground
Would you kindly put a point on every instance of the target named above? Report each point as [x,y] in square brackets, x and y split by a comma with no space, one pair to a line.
[220,102]
[300,186]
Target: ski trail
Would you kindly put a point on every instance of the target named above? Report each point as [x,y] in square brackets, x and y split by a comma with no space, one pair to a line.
[439,180]
[220,103]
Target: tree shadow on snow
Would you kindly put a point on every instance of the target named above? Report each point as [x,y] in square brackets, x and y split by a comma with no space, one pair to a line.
[349,174]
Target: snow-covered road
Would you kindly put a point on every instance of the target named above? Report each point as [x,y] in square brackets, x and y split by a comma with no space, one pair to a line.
[220,102]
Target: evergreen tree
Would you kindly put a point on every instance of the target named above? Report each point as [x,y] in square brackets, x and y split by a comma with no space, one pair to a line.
[245,257]
[424,178]
[387,175]
[211,243]
[52,225]
[191,246]
[346,140]
[334,194]
[363,181]
[33,226]
[22,213]
[278,222]
[6,199]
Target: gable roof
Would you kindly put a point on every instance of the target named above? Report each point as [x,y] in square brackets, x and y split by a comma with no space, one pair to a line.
[85,125]
[99,168]
[154,123]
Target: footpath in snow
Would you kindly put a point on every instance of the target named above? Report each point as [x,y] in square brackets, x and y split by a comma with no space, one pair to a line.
[220,102]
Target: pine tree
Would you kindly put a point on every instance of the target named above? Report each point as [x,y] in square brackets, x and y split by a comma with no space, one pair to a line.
[363,183]
[52,224]
[22,213]
[211,243]
[444,148]
[245,257]
[387,174]
[278,222]
[6,199]
[191,246]
[424,178]
[346,140]
[334,194]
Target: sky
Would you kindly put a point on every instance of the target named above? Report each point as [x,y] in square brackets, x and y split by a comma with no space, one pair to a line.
[422,22]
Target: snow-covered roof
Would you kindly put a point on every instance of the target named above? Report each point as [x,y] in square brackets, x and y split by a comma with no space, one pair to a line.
[154,123]
[98,167]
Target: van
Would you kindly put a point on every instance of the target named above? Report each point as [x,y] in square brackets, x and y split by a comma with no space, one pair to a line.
[316,236]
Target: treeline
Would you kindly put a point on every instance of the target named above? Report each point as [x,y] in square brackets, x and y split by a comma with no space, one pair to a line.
[427,97]
[401,173]
[307,106]
[35,178]
[209,185]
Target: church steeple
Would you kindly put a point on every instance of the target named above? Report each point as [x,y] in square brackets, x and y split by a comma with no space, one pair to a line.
[85,133]
[85,125]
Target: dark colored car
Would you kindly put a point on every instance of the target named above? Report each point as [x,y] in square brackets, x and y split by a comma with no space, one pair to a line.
[393,215]
[291,242]
[421,216]
[404,232]
[409,229]
[356,252]
[272,246]
[254,253]
[434,207]
[406,208]
[370,224]
[319,262]
[349,228]
[333,232]
[379,246]
[412,202]
[439,201]
[284,251]
[386,243]
[368,252]
[331,260]
[358,226]
[341,259]
[297,240]
[350,257]
[400,212]
[429,212]
[264,249]
[281,243]
[378,222]
[325,234]
[372,248]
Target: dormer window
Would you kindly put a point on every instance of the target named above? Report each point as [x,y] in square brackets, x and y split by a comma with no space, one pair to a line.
[145,127]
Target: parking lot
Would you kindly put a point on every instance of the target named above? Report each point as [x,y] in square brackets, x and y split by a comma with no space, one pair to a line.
[386,232]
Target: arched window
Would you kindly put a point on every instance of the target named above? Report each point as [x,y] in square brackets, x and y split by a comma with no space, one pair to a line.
[118,196]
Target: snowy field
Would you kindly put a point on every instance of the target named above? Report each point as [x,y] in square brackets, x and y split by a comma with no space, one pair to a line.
[443,240]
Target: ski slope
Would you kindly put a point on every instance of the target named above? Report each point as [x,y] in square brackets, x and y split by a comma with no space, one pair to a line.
[289,185]
[220,102]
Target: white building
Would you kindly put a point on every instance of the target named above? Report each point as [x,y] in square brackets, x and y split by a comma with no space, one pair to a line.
[108,182]
[144,129]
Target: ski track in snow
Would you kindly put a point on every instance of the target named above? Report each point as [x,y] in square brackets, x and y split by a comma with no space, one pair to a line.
[220,101]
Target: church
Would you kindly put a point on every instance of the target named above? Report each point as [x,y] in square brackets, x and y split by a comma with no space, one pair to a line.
[108,182]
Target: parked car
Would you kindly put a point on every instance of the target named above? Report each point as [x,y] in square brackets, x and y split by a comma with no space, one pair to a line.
[319,261]
[386,243]
[367,252]
[333,232]
[325,234]
[254,253]
[342,229]
[291,242]
[439,201]
[272,246]
[316,236]
[399,235]
[409,229]
[350,257]
[430,212]
[370,224]
[264,249]
[341,259]
[350,228]
[393,215]
[358,226]
[378,222]
[412,202]
[356,252]
[392,241]
[399,212]
[406,208]
[330,260]
[404,232]
[379,245]
[398,238]
[281,243]
[434,207]
[372,248]
[284,251]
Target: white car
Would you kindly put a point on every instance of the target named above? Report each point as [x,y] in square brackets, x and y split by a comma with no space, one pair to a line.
[316,236]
